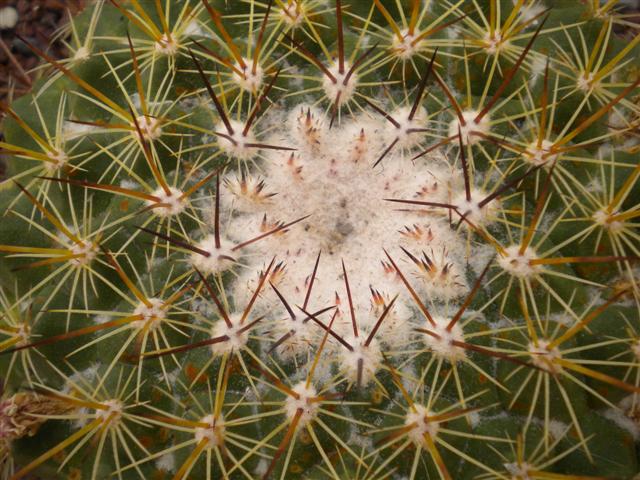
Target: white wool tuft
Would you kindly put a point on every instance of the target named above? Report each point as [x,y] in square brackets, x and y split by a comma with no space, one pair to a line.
[153,314]
[544,357]
[237,338]
[214,433]
[369,356]
[219,259]
[330,177]
[166,462]
[517,264]
[304,402]
[442,345]
[409,46]
[423,426]
[171,203]
[250,79]
[339,92]
[469,131]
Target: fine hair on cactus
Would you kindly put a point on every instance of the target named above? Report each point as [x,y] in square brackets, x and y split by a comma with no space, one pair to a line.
[324,239]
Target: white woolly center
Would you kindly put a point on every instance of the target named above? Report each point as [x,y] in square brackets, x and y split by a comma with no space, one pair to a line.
[81,54]
[370,356]
[330,178]
[236,338]
[443,345]
[406,48]
[471,128]
[338,91]
[540,155]
[149,127]
[292,14]
[309,408]
[604,218]
[471,209]
[237,145]
[23,334]
[166,45]
[58,159]
[219,259]
[87,251]
[152,314]
[407,138]
[494,43]
[249,80]
[545,358]
[113,412]
[214,433]
[174,204]
[423,426]
[586,82]
[519,265]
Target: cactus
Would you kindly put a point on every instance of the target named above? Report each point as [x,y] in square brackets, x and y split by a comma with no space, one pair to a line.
[325,239]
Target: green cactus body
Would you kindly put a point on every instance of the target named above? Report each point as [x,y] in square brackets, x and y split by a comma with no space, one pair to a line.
[324,239]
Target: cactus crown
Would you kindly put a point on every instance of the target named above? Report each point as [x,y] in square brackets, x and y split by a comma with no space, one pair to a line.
[325,239]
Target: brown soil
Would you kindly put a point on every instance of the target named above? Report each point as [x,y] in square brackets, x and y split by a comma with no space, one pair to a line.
[38,22]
